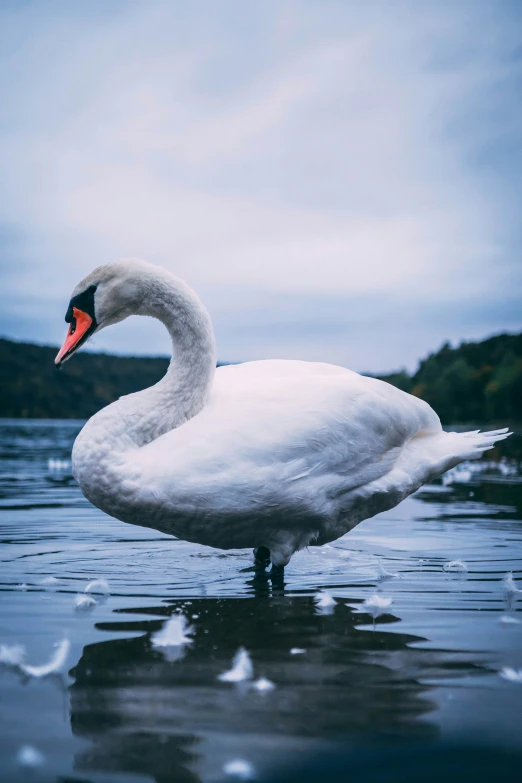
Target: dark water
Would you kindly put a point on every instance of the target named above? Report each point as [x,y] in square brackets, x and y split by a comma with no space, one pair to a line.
[425,674]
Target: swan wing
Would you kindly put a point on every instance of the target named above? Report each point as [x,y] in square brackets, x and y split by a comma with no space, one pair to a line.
[283,421]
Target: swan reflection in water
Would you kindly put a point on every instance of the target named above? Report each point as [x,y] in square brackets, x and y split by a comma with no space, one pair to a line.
[144,715]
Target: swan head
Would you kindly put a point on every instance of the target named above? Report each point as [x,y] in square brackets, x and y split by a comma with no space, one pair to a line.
[106,296]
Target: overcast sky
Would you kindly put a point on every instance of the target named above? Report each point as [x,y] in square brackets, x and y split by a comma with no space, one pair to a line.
[338,180]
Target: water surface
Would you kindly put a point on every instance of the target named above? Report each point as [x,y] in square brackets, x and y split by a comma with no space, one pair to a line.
[424,672]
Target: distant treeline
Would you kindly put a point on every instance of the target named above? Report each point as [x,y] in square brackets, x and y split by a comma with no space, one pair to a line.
[476,382]
[32,387]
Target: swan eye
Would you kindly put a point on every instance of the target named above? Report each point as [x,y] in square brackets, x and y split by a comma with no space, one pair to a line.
[84,302]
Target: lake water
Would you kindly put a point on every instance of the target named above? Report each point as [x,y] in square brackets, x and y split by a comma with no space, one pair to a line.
[424,674]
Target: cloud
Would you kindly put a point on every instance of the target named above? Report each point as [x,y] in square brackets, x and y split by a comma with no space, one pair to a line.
[287,155]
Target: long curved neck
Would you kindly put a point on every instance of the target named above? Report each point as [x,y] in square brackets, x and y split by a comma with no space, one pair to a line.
[137,419]
[185,389]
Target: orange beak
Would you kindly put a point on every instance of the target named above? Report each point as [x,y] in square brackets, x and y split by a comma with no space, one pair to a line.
[78,332]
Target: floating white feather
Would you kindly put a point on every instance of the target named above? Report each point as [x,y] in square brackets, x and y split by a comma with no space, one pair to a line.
[175,633]
[263,685]
[53,666]
[11,654]
[58,464]
[84,603]
[509,619]
[377,604]
[50,582]
[242,668]
[383,574]
[239,768]
[30,757]
[511,591]
[511,675]
[457,566]
[510,586]
[324,602]
[98,586]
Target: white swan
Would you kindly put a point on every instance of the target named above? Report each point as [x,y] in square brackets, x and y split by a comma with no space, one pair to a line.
[276,454]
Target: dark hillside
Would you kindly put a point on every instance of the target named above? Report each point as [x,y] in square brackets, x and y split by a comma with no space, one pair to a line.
[32,387]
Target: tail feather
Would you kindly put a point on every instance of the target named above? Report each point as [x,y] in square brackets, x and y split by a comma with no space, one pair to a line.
[471,445]
[430,454]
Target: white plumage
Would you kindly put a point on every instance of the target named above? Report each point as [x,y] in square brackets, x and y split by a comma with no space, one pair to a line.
[279,454]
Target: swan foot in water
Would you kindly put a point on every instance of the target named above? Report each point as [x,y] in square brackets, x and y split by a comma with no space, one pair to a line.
[261,560]
[261,557]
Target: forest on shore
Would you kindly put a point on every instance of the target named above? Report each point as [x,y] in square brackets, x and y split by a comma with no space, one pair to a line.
[474,382]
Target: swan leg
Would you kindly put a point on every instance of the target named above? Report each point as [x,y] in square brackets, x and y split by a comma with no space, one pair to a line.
[261,557]
[280,556]
[261,560]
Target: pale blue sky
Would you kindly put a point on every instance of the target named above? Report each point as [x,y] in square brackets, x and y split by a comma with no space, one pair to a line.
[338,180]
